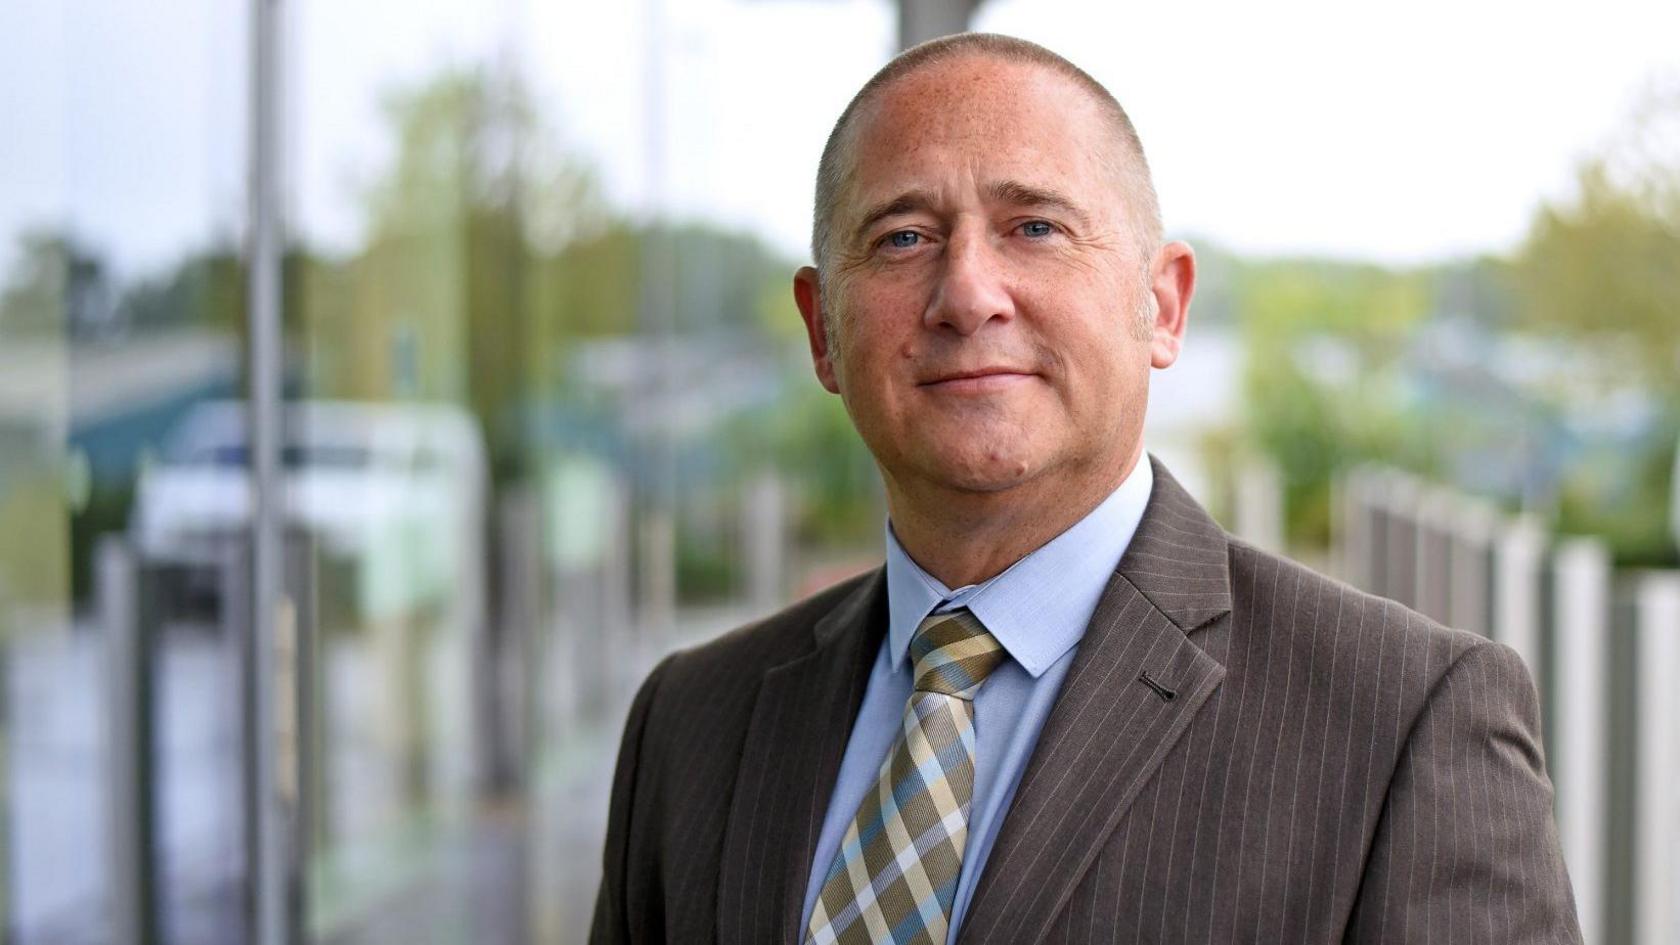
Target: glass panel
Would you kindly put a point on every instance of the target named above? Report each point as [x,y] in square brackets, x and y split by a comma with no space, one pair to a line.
[121,211]
[404,314]
[549,401]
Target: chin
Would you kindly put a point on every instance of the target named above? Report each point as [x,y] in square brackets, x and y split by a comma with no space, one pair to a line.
[991,472]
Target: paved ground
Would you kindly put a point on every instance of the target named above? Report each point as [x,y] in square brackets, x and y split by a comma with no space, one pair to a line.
[519,872]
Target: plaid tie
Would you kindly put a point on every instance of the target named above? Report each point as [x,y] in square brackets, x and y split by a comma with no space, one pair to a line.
[895,874]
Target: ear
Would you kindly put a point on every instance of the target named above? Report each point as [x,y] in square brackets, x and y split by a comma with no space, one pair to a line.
[807,294]
[1172,280]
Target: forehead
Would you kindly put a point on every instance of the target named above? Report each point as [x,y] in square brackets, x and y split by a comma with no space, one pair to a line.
[983,119]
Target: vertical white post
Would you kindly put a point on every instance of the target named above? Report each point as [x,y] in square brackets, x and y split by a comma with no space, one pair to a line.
[765,523]
[1472,527]
[1432,554]
[1582,629]
[1519,549]
[1350,526]
[1656,816]
[1402,497]
[1259,511]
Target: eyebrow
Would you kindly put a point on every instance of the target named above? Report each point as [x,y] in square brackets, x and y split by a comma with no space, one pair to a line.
[907,202]
[1026,195]
[1011,192]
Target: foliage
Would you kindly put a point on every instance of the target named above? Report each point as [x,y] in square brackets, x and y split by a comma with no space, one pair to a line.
[1324,342]
[1600,272]
[1337,372]
[206,289]
[490,264]
[808,436]
[35,554]
[1604,265]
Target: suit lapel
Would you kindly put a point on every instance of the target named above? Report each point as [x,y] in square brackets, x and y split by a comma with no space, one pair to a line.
[795,742]
[1135,684]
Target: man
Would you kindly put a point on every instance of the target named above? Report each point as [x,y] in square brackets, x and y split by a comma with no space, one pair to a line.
[1069,708]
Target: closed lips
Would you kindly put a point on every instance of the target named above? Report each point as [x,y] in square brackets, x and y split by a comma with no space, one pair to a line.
[1000,372]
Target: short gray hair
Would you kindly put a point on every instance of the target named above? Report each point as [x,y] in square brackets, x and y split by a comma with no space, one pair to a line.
[835,167]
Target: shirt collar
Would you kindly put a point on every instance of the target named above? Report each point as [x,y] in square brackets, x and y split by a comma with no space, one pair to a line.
[1039,606]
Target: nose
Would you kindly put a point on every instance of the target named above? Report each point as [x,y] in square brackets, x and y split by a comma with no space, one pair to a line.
[972,289]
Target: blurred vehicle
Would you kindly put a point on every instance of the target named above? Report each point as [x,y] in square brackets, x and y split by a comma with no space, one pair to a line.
[393,492]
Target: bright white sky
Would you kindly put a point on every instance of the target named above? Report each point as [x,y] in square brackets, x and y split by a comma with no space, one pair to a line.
[1397,132]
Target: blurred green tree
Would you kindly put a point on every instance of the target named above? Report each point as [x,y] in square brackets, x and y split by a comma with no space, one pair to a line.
[1324,341]
[1601,270]
[1604,264]
[489,267]
[437,302]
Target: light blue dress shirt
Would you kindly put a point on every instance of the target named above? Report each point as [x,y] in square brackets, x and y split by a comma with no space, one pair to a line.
[1037,609]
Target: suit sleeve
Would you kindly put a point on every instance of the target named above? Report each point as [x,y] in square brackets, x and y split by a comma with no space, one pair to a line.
[612,922]
[1466,849]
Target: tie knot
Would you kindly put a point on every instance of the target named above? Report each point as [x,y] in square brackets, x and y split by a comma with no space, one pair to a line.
[953,654]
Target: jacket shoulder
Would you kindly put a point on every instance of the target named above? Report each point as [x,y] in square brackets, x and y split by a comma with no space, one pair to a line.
[1349,634]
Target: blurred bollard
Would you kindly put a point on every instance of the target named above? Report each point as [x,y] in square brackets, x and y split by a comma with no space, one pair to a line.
[1519,550]
[130,748]
[656,566]
[1382,528]
[1432,568]
[233,560]
[506,670]
[605,676]
[1582,639]
[1355,527]
[1472,525]
[765,513]
[1258,515]
[1656,837]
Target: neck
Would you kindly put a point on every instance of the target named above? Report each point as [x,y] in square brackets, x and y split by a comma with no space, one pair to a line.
[964,538]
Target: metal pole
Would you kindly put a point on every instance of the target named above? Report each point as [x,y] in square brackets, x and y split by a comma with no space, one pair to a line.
[922,20]
[274,919]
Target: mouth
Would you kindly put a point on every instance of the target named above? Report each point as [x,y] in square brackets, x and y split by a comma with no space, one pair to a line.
[977,381]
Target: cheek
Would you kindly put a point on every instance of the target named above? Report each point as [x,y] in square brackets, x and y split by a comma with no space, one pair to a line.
[881,324]
[1098,362]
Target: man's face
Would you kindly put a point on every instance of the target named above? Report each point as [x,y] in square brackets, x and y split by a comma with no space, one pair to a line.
[986,285]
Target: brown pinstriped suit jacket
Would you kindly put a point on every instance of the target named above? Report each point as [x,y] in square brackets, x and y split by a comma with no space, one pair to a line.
[1329,767]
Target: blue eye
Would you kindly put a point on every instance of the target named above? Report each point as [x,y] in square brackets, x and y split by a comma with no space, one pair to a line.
[904,239]
[1037,228]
